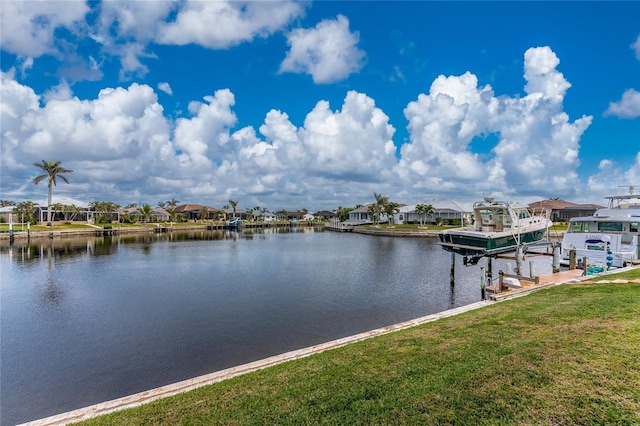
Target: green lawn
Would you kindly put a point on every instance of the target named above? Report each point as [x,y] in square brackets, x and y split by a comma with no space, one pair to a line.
[562,356]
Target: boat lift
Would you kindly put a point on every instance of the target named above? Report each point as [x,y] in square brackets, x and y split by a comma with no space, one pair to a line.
[472,255]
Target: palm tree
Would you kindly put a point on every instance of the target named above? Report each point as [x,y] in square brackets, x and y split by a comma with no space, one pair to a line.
[390,209]
[424,210]
[53,170]
[374,209]
[233,206]
[162,204]
[249,214]
[103,210]
[203,213]
[7,203]
[146,211]
[71,211]
[25,212]
[378,207]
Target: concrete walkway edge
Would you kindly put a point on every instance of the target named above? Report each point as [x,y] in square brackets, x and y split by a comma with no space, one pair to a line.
[196,382]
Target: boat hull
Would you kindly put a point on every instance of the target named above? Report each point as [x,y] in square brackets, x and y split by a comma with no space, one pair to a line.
[474,244]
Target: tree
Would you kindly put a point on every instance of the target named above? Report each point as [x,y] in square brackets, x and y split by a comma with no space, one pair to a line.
[203,213]
[25,212]
[146,211]
[249,214]
[7,203]
[53,170]
[379,207]
[343,213]
[172,214]
[390,209]
[71,211]
[57,208]
[375,211]
[162,204]
[233,206]
[173,203]
[103,210]
[424,210]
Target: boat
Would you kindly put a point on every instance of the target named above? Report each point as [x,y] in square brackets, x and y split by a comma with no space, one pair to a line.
[609,238]
[233,223]
[496,227]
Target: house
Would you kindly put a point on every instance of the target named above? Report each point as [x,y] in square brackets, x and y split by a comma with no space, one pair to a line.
[238,214]
[562,211]
[297,215]
[324,215]
[308,217]
[158,214]
[405,214]
[268,217]
[194,212]
[362,215]
[446,211]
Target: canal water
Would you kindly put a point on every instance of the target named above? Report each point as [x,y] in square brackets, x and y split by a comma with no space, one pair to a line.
[87,320]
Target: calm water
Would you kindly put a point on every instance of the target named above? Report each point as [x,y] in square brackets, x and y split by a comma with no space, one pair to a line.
[89,320]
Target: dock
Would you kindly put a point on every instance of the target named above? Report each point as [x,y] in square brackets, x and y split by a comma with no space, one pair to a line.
[529,285]
[337,226]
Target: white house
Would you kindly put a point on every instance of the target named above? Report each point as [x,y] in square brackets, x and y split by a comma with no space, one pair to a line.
[268,217]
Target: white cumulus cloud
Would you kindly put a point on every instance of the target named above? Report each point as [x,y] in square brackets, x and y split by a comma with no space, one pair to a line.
[165,87]
[221,24]
[28,27]
[329,52]
[627,107]
[535,138]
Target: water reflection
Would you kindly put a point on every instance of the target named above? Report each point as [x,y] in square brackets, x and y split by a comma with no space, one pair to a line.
[25,251]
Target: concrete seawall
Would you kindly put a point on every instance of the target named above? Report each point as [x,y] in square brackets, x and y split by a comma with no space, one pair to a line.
[207,379]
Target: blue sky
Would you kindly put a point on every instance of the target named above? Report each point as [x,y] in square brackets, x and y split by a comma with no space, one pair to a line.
[320,104]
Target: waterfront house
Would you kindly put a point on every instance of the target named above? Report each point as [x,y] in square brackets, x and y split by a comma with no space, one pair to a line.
[562,211]
[192,211]
[324,215]
[362,215]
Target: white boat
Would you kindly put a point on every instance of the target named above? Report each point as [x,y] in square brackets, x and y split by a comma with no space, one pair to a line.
[496,227]
[233,223]
[610,237]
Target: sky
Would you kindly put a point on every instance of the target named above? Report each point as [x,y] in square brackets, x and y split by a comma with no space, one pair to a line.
[315,105]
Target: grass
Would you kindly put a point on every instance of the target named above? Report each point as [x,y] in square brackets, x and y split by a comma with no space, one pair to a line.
[57,226]
[563,356]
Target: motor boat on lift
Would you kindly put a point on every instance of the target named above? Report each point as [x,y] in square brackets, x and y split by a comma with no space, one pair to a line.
[496,227]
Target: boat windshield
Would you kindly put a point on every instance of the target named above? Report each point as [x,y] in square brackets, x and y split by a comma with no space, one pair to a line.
[579,227]
[610,226]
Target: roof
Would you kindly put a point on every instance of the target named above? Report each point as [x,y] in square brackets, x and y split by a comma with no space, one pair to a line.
[194,208]
[562,205]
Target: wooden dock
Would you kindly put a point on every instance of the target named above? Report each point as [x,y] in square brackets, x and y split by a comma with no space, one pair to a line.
[337,226]
[529,285]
